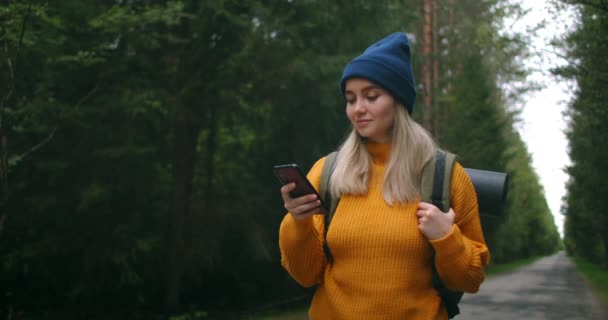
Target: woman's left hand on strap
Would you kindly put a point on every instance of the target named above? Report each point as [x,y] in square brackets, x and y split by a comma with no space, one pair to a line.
[434,223]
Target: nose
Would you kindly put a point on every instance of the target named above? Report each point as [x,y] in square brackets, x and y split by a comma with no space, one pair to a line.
[360,106]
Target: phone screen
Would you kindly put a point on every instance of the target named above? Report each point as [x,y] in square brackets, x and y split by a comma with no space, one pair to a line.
[287,173]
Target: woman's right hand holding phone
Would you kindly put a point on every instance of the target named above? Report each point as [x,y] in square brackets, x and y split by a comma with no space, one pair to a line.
[301,208]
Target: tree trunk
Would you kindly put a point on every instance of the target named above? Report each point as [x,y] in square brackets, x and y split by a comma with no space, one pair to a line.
[183,150]
[3,181]
[427,66]
[448,69]
[3,143]
[212,124]
[435,55]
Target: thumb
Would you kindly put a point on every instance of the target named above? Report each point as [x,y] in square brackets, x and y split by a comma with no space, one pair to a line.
[451,214]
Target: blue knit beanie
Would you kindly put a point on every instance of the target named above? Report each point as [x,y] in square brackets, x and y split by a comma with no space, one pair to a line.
[388,64]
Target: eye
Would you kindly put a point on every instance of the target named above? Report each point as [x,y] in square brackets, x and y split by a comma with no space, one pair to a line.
[372,97]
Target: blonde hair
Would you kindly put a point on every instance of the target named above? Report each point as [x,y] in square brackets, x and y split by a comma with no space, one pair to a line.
[412,146]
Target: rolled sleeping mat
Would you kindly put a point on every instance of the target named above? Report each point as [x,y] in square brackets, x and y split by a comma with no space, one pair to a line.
[491,188]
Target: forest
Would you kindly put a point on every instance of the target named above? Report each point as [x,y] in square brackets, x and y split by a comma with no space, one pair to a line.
[137,139]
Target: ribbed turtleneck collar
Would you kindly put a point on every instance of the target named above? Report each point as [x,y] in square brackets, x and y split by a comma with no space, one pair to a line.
[379,151]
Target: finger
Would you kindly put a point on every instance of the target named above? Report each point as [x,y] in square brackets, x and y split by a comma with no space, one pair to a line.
[304,200]
[305,207]
[303,213]
[425,205]
[309,206]
[421,213]
[303,216]
[286,189]
[294,204]
[286,194]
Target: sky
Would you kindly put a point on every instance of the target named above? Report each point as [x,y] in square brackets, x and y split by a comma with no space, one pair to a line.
[543,124]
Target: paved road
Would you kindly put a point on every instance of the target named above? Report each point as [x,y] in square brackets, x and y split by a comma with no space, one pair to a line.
[551,288]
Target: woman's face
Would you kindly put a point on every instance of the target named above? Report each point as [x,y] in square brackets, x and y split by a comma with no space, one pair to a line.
[370,109]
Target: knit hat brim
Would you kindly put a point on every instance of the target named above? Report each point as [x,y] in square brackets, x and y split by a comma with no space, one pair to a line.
[386,77]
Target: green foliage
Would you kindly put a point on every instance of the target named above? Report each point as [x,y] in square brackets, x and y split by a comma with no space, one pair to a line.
[585,226]
[108,102]
[496,269]
[597,276]
[474,117]
[191,316]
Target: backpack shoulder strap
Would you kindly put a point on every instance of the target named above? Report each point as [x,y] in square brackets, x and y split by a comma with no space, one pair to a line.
[436,180]
[327,198]
[435,189]
[328,168]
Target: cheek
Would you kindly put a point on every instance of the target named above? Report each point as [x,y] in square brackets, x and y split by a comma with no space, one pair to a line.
[350,114]
[387,114]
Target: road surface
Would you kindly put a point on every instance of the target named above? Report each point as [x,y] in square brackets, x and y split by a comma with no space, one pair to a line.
[551,288]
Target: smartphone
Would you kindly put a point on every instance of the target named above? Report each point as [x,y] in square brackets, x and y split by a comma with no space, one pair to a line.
[287,173]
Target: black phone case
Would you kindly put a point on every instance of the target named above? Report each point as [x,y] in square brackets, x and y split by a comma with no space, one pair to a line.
[287,173]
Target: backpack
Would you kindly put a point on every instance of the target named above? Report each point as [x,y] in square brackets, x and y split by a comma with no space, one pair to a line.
[435,189]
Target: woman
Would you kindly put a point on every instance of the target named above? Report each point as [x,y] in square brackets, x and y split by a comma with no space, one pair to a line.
[383,239]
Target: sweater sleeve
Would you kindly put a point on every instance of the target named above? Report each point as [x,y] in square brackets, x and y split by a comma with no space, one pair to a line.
[301,242]
[462,255]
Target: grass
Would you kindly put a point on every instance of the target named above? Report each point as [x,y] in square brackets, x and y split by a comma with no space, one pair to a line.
[290,309]
[494,269]
[597,276]
[293,314]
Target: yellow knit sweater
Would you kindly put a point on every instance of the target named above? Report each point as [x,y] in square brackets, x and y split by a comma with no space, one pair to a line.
[382,262]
